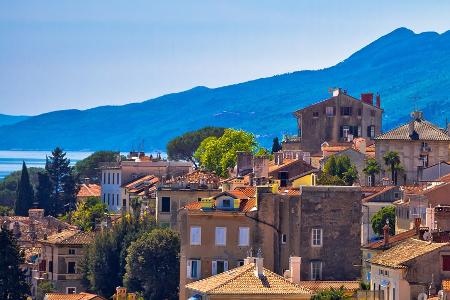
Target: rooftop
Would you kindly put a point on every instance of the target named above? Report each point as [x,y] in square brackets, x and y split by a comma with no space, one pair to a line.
[400,254]
[69,237]
[243,281]
[394,239]
[425,130]
[80,296]
[326,285]
[89,190]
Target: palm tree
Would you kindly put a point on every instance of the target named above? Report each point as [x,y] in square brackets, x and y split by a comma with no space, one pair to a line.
[372,168]
[392,160]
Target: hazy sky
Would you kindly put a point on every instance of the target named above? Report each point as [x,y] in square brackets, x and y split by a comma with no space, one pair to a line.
[80,54]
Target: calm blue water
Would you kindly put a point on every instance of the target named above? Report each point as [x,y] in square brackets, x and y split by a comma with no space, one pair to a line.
[11,161]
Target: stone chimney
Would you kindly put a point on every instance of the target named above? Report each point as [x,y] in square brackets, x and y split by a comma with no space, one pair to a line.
[244,162]
[278,156]
[386,233]
[367,98]
[259,264]
[417,115]
[378,101]
[295,263]
[261,166]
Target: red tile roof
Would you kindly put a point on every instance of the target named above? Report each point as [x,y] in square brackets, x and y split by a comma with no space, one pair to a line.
[89,190]
[393,239]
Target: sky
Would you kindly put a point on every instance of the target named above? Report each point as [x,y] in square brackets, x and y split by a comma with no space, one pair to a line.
[58,54]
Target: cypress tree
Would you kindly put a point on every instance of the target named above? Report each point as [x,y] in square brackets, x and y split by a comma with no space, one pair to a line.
[43,191]
[12,278]
[276,146]
[25,193]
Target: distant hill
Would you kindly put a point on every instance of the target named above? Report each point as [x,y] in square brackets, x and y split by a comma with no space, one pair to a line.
[9,120]
[402,66]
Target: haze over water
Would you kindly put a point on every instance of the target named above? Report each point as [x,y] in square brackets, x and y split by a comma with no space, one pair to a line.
[11,161]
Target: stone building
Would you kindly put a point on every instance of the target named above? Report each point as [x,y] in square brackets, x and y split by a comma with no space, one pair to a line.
[59,261]
[321,224]
[419,143]
[337,119]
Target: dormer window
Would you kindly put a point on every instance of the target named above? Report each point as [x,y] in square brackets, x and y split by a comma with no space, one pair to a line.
[226,203]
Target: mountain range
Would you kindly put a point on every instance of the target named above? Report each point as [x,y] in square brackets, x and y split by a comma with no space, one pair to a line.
[410,71]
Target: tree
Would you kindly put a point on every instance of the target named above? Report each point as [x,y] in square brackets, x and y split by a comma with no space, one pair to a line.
[44,287]
[9,184]
[184,146]
[88,212]
[89,167]
[276,146]
[103,266]
[25,193]
[43,192]
[392,160]
[331,294]
[338,171]
[63,194]
[12,279]
[263,152]
[153,264]
[379,220]
[219,154]
[372,168]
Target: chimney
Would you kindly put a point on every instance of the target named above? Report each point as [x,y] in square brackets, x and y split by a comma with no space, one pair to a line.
[417,222]
[417,115]
[259,265]
[367,98]
[378,101]
[336,92]
[295,263]
[261,166]
[278,158]
[121,293]
[386,233]
[412,131]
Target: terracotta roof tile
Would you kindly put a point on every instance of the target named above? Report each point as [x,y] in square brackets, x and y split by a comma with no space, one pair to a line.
[393,239]
[70,237]
[249,191]
[243,281]
[326,285]
[446,285]
[89,190]
[426,132]
[80,296]
[397,256]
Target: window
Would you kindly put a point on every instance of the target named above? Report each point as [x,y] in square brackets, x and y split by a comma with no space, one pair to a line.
[316,270]
[124,202]
[346,111]
[165,204]
[369,180]
[315,114]
[371,131]
[193,268]
[50,266]
[219,266]
[226,203]
[244,236]
[330,111]
[446,263]
[283,238]
[118,181]
[359,131]
[117,199]
[71,267]
[196,235]
[316,237]
[221,236]
[71,251]
[113,178]
[109,178]
[104,178]
[359,111]
[71,290]
[240,263]
[108,199]
[104,197]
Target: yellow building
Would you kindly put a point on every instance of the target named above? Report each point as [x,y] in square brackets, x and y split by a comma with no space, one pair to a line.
[308,178]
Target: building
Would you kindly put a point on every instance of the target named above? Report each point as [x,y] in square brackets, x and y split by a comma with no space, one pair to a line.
[88,190]
[216,235]
[59,261]
[249,281]
[320,224]
[172,195]
[374,199]
[410,268]
[141,190]
[80,296]
[419,143]
[337,119]
[285,170]
[115,175]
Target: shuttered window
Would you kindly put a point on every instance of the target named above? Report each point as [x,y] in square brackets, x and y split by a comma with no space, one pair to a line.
[221,236]
[244,236]
[196,235]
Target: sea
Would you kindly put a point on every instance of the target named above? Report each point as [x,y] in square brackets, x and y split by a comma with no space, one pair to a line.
[11,161]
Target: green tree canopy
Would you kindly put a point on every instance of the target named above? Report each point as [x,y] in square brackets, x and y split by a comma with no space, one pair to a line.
[25,193]
[12,278]
[276,146]
[8,186]
[219,154]
[184,146]
[103,266]
[331,294]
[392,160]
[379,220]
[44,287]
[89,167]
[372,168]
[153,264]
[338,170]
[43,191]
[88,212]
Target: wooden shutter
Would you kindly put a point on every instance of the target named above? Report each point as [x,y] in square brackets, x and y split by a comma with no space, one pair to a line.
[214,267]
[188,268]
[199,268]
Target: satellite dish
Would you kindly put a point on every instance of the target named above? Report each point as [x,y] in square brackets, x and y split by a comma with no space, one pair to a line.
[422,296]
